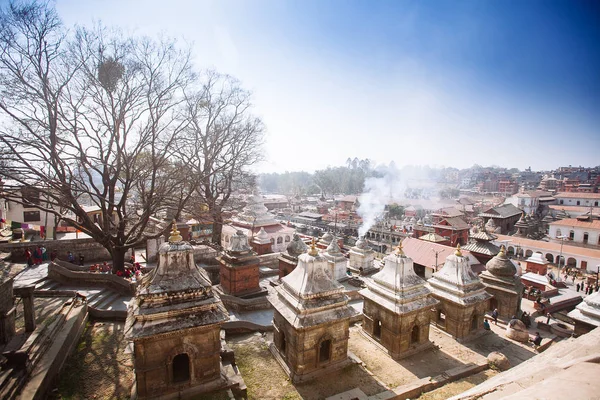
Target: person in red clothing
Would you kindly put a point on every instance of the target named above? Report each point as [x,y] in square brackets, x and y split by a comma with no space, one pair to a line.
[28,257]
[120,273]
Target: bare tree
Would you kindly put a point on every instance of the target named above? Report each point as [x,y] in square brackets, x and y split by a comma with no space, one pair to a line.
[223,139]
[91,117]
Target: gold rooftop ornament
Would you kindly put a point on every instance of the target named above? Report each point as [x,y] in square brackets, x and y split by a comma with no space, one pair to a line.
[175,236]
[313,250]
[458,252]
[399,251]
[502,251]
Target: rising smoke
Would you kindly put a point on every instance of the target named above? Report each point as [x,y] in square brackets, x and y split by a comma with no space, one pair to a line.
[389,185]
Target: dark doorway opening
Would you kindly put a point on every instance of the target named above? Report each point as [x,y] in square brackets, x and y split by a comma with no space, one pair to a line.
[377,329]
[474,323]
[325,350]
[181,368]
[414,335]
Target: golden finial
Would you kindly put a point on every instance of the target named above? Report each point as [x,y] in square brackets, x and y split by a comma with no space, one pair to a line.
[313,249]
[457,252]
[399,251]
[175,236]
[502,252]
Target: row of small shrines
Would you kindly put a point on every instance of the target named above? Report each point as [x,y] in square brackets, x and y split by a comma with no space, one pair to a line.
[175,318]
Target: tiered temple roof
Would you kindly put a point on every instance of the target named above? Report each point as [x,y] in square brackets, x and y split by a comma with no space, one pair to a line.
[309,296]
[482,243]
[175,295]
[456,282]
[397,287]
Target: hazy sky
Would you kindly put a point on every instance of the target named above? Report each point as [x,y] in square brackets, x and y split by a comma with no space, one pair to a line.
[453,83]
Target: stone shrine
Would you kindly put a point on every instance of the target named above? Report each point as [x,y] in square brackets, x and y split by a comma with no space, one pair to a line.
[239,272]
[537,264]
[481,245]
[587,314]
[256,217]
[175,322]
[289,259]
[501,281]
[362,257]
[311,320]
[336,260]
[397,307]
[261,243]
[462,296]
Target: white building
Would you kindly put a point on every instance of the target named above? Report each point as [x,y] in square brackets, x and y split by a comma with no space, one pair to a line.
[529,201]
[578,230]
[26,210]
[255,219]
[578,199]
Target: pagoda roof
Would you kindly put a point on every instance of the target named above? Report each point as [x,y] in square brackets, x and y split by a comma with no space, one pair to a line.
[456,282]
[486,248]
[501,211]
[397,287]
[309,296]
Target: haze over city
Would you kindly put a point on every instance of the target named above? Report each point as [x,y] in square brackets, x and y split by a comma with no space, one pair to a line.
[440,83]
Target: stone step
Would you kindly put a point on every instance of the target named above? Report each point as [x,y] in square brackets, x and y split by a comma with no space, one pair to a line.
[47,284]
[119,304]
[107,297]
[51,362]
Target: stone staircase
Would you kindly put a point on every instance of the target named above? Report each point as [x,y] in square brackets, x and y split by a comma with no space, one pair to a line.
[31,362]
[103,303]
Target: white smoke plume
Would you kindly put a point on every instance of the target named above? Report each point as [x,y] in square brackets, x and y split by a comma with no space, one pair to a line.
[390,186]
[378,192]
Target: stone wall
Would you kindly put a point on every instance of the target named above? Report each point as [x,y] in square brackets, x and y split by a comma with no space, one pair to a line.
[7,311]
[91,250]
[300,348]
[154,360]
[238,280]
[458,319]
[114,282]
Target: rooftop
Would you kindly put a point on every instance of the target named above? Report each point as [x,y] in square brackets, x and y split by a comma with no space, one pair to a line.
[577,195]
[573,222]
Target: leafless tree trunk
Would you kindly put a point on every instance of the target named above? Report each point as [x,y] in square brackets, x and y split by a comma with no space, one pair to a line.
[90,119]
[223,139]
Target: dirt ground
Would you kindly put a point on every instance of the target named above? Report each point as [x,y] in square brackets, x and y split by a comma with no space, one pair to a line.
[99,367]
[454,388]
[254,358]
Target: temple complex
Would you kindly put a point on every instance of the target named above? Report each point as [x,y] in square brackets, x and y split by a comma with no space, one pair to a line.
[254,218]
[239,272]
[336,260]
[311,319]
[397,307]
[481,245]
[362,257]
[587,314]
[462,296]
[175,322]
[500,281]
[289,258]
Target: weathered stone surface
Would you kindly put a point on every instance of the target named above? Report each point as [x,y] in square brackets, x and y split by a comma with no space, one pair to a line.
[174,322]
[463,298]
[498,361]
[397,306]
[516,330]
[311,318]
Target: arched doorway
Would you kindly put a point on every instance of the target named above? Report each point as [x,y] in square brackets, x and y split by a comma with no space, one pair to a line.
[441,318]
[511,251]
[325,351]
[414,335]
[528,253]
[181,368]
[571,262]
[549,257]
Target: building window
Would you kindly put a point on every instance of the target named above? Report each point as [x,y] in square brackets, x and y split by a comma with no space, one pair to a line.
[578,203]
[377,329]
[585,237]
[595,204]
[279,240]
[181,368]
[558,233]
[31,216]
[287,239]
[572,235]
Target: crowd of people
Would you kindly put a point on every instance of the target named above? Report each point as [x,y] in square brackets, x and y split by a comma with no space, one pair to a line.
[132,272]
[38,255]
